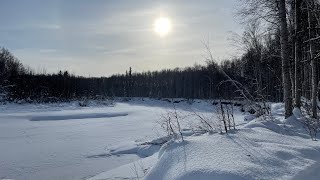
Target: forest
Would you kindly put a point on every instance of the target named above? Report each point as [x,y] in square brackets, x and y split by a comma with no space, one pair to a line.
[281,50]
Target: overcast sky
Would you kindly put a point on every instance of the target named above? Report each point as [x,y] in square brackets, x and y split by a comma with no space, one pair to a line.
[103,37]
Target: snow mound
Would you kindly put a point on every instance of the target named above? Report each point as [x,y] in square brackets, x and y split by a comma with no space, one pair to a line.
[76,116]
[262,123]
[268,147]
[261,150]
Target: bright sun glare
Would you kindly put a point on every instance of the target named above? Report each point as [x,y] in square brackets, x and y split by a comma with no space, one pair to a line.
[162,26]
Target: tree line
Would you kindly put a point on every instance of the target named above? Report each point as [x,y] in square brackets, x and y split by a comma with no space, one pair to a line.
[20,83]
[281,50]
[200,81]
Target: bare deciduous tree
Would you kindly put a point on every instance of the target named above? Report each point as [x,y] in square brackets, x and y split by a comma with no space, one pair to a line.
[287,96]
[297,53]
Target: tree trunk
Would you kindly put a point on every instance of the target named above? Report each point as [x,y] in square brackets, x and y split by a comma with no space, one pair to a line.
[298,53]
[285,59]
[314,83]
[292,77]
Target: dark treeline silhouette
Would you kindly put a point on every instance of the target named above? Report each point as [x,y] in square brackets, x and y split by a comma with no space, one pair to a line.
[199,81]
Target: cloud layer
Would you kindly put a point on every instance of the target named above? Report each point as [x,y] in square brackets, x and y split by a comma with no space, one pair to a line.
[100,38]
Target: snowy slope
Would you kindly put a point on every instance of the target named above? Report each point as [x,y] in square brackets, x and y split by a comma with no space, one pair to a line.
[260,149]
[254,153]
[65,141]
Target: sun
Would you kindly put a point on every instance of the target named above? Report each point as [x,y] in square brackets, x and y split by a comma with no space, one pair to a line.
[162,26]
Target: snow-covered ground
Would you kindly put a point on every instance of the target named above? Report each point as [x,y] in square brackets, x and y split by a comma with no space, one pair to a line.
[65,141]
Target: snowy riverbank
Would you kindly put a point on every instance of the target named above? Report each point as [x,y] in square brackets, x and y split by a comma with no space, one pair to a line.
[65,141]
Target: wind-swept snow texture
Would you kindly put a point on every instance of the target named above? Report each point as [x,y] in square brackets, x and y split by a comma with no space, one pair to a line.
[65,141]
[253,153]
[259,150]
[264,148]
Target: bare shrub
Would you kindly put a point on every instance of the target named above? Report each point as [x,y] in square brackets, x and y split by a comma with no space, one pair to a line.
[225,113]
[251,99]
[209,124]
[230,115]
[221,119]
[170,122]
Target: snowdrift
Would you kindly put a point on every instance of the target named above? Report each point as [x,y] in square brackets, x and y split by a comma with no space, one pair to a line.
[262,149]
